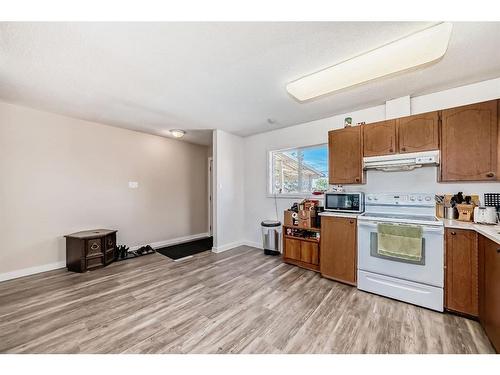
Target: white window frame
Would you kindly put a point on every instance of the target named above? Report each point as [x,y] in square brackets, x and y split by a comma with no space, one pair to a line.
[269,175]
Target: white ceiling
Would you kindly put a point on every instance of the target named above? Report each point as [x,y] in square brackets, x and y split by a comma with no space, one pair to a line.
[153,77]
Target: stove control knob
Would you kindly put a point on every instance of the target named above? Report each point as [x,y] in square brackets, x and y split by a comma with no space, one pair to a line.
[420,199]
[428,199]
[375,198]
[369,198]
[412,198]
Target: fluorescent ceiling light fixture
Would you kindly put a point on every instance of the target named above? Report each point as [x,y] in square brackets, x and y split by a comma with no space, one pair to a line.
[177,133]
[413,51]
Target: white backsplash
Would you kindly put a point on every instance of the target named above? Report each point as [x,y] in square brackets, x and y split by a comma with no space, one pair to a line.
[420,180]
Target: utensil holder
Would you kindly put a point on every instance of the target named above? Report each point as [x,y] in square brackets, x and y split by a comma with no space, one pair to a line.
[440,210]
[451,213]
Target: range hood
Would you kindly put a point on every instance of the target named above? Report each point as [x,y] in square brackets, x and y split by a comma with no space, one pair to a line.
[401,162]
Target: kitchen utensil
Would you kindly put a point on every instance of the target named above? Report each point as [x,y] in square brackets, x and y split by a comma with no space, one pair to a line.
[439,199]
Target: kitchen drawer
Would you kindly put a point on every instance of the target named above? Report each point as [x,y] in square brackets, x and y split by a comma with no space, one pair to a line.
[94,247]
[95,262]
[110,241]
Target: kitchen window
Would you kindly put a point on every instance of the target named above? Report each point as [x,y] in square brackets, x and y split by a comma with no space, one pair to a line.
[298,171]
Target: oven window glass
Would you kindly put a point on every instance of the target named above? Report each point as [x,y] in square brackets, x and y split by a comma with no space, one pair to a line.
[374,252]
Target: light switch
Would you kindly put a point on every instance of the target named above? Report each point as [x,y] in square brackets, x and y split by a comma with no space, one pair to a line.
[133,184]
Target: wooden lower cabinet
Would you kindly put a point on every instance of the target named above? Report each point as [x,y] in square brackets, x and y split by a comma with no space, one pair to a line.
[461,272]
[301,252]
[338,249]
[489,286]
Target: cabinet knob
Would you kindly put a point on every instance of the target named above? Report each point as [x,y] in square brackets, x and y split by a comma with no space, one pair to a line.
[498,251]
[352,222]
[391,150]
[402,149]
[356,179]
[490,174]
[453,233]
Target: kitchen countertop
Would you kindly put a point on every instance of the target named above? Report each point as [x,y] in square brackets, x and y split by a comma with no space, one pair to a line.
[339,214]
[490,231]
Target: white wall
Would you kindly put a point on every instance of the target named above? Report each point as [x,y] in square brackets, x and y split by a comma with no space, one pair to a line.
[229,190]
[258,206]
[60,175]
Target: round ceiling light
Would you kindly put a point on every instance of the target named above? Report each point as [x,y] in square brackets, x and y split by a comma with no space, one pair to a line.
[177,133]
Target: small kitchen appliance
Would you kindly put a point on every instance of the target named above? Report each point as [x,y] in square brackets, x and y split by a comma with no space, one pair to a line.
[345,202]
[485,215]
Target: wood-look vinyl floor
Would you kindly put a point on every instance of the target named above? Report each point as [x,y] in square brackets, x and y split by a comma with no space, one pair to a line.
[239,301]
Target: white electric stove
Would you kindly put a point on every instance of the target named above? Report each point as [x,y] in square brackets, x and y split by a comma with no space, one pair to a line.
[420,283]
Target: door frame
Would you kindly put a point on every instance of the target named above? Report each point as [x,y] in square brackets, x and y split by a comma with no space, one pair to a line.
[210,194]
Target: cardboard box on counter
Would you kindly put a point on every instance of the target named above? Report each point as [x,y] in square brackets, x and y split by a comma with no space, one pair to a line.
[291,219]
[307,218]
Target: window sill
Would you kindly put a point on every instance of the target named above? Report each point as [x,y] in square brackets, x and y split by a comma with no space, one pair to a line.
[296,196]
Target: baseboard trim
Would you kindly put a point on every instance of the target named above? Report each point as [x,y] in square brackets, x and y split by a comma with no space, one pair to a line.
[31,271]
[173,241]
[257,245]
[232,245]
[62,264]
[229,246]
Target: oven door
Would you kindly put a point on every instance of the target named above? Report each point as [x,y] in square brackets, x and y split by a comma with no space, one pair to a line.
[429,271]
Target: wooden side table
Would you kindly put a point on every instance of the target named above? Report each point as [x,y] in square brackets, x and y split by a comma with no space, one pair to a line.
[90,249]
[302,251]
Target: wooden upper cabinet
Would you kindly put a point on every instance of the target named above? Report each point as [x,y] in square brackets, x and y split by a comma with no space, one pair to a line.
[469,142]
[345,165]
[461,276]
[338,249]
[379,138]
[418,133]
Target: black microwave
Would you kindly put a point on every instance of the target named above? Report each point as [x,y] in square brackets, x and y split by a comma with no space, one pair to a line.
[345,202]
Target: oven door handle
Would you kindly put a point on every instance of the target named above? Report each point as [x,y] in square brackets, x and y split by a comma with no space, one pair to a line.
[426,228]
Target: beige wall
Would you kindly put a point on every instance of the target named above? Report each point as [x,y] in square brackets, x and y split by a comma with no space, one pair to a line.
[59,175]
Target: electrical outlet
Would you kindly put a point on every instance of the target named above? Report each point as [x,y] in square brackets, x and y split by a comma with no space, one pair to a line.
[133,184]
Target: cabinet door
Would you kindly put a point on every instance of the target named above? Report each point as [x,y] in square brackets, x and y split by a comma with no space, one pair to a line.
[461,273]
[292,249]
[94,247]
[345,156]
[338,249]
[309,252]
[418,133]
[469,141]
[379,138]
[489,314]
